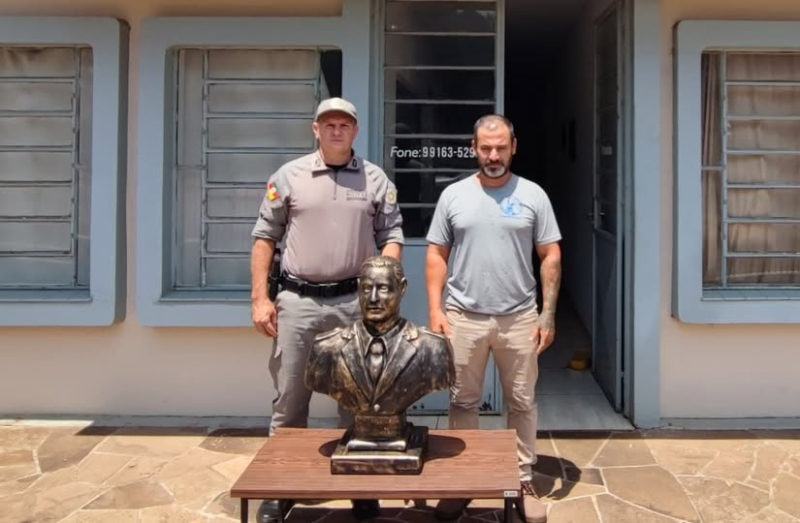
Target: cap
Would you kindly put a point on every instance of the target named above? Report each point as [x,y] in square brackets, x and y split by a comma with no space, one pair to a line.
[336,104]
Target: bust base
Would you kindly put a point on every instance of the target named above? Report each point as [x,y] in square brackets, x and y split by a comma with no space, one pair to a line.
[382,460]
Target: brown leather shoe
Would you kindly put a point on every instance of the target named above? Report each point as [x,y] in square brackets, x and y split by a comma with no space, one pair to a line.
[448,509]
[532,509]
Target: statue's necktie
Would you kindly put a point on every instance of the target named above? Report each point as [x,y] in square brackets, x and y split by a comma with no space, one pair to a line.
[375,359]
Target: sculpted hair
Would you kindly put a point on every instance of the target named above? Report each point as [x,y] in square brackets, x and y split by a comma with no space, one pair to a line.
[384,261]
[493,118]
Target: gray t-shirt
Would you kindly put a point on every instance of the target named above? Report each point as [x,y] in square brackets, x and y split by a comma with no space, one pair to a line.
[492,232]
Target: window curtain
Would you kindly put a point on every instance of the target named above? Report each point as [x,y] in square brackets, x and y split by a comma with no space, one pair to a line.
[762,117]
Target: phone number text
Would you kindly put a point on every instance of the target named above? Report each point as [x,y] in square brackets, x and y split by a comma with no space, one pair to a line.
[440,151]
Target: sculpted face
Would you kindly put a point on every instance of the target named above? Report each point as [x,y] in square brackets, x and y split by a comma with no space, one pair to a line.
[380,293]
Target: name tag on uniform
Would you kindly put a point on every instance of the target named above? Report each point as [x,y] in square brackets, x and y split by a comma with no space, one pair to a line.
[356,195]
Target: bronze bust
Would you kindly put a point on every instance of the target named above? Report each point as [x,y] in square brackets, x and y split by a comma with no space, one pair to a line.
[377,368]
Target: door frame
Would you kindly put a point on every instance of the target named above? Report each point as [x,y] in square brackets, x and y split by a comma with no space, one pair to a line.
[615,8]
[642,215]
[642,248]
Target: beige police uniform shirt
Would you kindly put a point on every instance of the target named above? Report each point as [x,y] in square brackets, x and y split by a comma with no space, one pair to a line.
[330,221]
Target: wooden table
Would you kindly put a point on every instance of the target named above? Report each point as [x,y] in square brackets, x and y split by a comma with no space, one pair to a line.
[294,464]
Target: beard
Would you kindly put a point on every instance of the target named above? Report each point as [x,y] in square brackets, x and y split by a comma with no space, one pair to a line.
[496,170]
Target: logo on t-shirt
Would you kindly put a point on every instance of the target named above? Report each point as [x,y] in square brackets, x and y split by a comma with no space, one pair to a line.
[510,207]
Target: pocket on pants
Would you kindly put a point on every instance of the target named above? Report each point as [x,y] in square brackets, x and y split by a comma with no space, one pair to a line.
[453,316]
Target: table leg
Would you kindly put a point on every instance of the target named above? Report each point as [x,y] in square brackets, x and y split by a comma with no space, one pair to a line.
[508,510]
[243,510]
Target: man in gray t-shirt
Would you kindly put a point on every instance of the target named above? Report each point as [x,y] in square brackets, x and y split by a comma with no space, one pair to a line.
[487,228]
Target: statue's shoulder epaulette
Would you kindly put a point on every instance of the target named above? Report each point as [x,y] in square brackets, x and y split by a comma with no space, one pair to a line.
[410,331]
[429,332]
[328,334]
[347,332]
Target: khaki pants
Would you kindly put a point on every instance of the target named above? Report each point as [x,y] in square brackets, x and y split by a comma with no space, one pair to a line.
[508,337]
[300,319]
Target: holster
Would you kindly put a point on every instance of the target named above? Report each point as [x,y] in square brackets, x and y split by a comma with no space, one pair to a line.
[274,279]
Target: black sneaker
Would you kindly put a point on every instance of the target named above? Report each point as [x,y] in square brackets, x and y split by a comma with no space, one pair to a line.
[449,509]
[366,509]
[269,510]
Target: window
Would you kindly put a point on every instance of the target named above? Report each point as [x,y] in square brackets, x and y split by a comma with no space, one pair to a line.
[241,114]
[224,102]
[45,167]
[751,172]
[737,172]
[62,156]
[439,77]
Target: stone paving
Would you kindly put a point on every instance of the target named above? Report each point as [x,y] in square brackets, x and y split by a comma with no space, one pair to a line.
[88,474]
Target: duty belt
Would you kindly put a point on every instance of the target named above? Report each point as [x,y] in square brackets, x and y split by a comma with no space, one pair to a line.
[319,290]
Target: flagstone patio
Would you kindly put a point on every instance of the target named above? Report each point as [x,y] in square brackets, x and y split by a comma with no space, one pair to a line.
[57,472]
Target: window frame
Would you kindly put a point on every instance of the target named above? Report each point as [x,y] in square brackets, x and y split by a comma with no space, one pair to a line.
[157,304]
[378,141]
[103,303]
[691,303]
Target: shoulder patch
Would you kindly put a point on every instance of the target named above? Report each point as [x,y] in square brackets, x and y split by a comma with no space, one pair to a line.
[272,191]
[391,196]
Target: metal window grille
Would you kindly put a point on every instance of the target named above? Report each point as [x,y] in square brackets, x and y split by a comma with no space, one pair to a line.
[439,75]
[45,171]
[756,169]
[240,114]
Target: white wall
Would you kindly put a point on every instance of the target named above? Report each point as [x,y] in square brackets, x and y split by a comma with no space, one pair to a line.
[706,371]
[719,371]
[128,369]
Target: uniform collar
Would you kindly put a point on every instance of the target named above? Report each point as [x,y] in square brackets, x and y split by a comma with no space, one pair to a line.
[387,337]
[318,165]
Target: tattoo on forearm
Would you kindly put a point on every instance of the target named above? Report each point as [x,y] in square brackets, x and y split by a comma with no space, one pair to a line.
[551,283]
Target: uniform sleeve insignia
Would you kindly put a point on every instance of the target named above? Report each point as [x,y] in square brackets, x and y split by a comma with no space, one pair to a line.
[391,196]
[272,191]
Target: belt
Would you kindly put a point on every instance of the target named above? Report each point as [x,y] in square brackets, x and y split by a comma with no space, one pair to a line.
[319,290]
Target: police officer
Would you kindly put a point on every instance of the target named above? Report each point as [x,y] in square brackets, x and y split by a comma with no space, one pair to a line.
[331,208]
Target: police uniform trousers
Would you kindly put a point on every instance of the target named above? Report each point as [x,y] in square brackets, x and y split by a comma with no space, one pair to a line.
[300,319]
